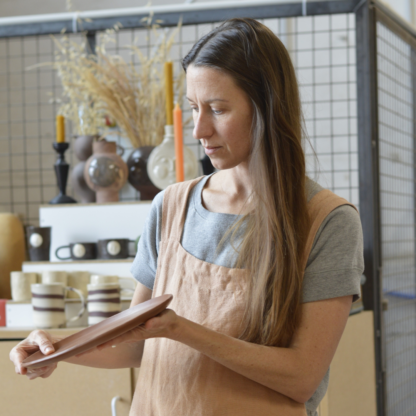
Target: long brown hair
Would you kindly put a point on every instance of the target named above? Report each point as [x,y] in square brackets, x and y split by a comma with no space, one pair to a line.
[277,226]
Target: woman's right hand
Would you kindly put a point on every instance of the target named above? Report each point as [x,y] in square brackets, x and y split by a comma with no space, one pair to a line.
[37,340]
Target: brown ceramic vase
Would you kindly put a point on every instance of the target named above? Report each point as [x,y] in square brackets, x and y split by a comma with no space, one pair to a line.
[105,171]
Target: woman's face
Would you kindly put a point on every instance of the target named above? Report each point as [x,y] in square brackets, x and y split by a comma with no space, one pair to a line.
[222,116]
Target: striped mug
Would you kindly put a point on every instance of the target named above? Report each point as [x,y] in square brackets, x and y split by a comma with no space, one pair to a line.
[103,301]
[48,302]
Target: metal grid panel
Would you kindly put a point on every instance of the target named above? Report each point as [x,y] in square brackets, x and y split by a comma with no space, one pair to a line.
[322,49]
[26,125]
[396,93]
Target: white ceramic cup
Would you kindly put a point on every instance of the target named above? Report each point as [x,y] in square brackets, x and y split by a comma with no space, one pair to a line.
[55,276]
[48,302]
[103,301]
[78,280]
[20,284]
[97,279]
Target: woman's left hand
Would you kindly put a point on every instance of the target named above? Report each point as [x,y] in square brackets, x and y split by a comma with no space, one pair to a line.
[162,325]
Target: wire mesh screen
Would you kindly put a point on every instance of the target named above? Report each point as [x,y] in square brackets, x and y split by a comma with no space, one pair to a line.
[396,93]
[322,50]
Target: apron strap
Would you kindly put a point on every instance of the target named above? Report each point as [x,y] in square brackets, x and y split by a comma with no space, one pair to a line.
[319,207]
[175,201]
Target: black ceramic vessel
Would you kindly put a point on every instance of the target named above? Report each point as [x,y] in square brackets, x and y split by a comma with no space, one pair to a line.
[38,242]
[138,177]
[114,248]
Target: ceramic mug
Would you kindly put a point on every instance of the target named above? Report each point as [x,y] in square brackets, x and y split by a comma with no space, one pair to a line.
[102,279]
[48,302]
[38,242]
[55,276]
[78,280]
[78,251]
[103,301]
[20,284]
[114,248]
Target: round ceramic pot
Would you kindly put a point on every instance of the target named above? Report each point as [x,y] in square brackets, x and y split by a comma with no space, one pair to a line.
[105,172]
[82,190]
[138,177]
[83,146]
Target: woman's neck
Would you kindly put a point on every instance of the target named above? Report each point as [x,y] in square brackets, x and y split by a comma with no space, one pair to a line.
[228,191]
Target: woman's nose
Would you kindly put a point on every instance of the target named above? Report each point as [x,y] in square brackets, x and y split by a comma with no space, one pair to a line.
[203,127]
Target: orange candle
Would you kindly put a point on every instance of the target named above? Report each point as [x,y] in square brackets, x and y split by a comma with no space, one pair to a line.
[177,126]
[169,92]
[60,129]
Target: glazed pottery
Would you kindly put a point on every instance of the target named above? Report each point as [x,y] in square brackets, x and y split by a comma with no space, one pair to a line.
[78,251]
[83,191]
[138,177]
[103,301]
[83,150]
[96,279]
[20,283]
[115,248]
[48,302]
[105,171]
[102,332]
[12,250]
[55,276]
[161,164]
[78,280]
[83,146]
[206,164]
[39,242]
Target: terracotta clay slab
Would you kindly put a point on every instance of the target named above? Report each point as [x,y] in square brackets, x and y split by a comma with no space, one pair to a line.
[99,333]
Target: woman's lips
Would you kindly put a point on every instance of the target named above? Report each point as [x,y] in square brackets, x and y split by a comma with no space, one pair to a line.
[211,150]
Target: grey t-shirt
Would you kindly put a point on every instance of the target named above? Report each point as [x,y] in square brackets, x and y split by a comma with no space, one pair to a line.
[334,267]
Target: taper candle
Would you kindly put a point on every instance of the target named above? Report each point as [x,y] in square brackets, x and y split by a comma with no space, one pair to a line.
[169,92]
[60,129]
[177,125]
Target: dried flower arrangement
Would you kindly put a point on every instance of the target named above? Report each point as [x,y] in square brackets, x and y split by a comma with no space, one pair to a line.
[103,84]
[76,103]
[133,96]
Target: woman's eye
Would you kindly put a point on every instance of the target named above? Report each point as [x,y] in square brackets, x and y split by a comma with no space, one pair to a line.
[194,109]
[216,111]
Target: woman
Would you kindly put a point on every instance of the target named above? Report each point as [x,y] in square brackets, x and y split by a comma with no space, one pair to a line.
[249,330]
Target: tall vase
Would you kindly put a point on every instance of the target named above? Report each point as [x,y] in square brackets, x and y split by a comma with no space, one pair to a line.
[105,171]
[138,177]
[83,150]
[161,165]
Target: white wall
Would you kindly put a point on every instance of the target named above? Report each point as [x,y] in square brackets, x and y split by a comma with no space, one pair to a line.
[403,8]
[28,7]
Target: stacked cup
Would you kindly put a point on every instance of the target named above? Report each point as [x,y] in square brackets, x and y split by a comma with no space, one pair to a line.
[103,298]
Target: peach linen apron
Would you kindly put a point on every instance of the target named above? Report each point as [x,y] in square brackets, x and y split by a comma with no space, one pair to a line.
[176,380]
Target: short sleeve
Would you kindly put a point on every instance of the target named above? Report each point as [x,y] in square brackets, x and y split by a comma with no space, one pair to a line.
[336,261]
[145,263]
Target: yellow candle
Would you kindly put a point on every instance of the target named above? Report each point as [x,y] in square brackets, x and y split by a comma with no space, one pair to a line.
[60,129]
[177,125]
[169,92]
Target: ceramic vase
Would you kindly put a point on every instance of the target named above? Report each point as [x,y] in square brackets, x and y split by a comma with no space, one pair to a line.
[105,172]
[138,177]
[161,164]
[12,250]
[83,150]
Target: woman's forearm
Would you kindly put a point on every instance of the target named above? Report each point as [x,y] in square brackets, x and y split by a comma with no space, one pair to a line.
[126,355]
[280,369]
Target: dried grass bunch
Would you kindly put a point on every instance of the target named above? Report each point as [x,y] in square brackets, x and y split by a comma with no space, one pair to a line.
[133,95]
[77,104]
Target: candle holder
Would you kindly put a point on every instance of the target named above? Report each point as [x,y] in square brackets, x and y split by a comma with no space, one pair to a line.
[61,171]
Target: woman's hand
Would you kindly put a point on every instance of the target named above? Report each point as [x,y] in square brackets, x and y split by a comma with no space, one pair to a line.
[166,325]
[37,340]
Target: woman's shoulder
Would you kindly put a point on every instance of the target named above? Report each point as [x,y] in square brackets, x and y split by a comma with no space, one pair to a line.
[312,188]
